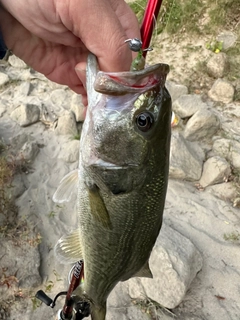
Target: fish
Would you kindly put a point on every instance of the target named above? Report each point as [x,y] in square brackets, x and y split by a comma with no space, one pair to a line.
[121,180]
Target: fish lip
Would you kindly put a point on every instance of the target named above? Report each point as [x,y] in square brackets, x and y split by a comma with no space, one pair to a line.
[121,83]
[110,165]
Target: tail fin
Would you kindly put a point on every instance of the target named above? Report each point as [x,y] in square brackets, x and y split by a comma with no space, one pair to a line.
[98,313]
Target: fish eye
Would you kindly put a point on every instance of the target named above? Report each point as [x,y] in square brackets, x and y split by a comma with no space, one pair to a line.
[144,121]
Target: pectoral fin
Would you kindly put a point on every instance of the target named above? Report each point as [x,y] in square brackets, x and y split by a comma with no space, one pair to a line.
[98,208]
[68,248]
[144,271]
[66,187]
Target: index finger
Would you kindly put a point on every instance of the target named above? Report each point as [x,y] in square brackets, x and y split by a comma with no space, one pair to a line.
[103,26]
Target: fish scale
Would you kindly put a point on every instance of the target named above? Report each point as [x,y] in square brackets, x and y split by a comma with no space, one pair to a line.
[121,181]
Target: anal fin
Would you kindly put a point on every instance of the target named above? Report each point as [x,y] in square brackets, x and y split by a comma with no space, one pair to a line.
[98,313]
[144,272]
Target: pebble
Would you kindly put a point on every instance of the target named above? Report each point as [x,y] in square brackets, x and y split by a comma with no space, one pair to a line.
[228,149]
[215,170]
[222,91]
[16,62]
[187,105]
[224,191]
[186,159]
[202,125]
[18,140]
[24,90]
[19,99]
[174,263]
[222,147]
[2,110]
[27,274]
[59,97]
[67,125]
[26,114]
[4,78]
[218,65]
[70,151]
[176,90]
[28,152]
[77,107]
[23,75]
[17,186]
[228,39]
[233,110]
[235,155]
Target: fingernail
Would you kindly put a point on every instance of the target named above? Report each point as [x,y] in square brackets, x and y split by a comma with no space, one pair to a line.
[81,73]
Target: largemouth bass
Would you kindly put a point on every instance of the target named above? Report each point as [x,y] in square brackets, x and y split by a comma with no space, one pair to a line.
[122,179]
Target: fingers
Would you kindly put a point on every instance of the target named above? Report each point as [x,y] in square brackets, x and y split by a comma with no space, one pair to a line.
[103,26]
[62,33]
[80,70]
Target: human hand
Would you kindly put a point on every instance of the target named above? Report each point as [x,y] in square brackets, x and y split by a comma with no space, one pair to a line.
[54,37]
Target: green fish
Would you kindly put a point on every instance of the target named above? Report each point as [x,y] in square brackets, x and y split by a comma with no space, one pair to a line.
[121,180]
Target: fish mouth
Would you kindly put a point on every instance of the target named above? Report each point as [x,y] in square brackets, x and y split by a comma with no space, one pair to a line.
[110,165]
[121,83]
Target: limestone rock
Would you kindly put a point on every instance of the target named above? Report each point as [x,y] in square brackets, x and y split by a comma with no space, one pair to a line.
[115,314]
[229,149]
[232,110]
[186,159]
[26,114]
[70,151]
[221,147]
[215,170]
[23,261]
[58,96]
[203,124]
[29,151]
[77,107]
[18,140]
[218,65]
[221,91]
[119,305]
[17,186]
[224,191]
[234,154]
[2,110]
[4,78]
[21,98]
[176,90]
[67,124]
[186,316]
[228,39]
[20,74]
[174,263]
[24,89]
[16,62]
[187,105]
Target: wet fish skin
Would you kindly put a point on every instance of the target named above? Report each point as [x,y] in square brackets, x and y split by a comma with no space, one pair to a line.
[122,183]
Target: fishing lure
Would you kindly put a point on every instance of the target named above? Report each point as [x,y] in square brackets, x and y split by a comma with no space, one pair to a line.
[135,45]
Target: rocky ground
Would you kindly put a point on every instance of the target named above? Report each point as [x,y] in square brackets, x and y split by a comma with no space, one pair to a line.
[196,259]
